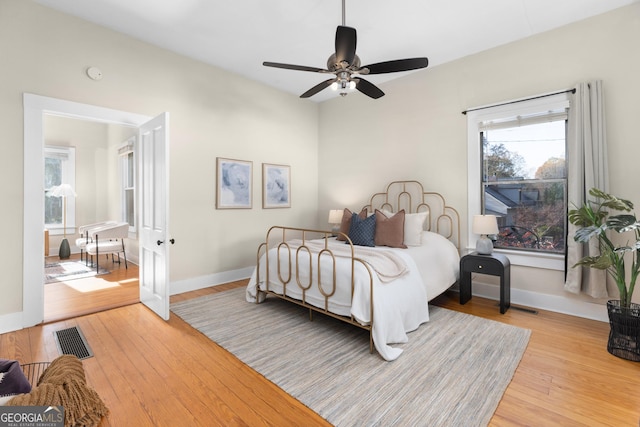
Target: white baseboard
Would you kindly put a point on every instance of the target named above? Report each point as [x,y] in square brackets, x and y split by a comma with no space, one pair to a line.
[10,322]
[553,303]
[202,282]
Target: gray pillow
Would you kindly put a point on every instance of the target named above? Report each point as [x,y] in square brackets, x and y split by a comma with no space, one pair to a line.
[12,379]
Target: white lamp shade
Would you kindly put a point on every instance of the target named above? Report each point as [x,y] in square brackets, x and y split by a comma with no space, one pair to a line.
[335,216]
[485,224]
[62,190]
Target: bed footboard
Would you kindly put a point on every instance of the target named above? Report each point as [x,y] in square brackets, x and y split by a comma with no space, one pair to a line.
[298,255]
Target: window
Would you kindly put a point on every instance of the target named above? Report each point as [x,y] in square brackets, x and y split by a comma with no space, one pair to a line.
[59,168]
[128,180]
[517,171]
[524,184]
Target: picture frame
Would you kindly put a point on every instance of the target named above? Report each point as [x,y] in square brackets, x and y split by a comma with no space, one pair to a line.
[276,186]
[234,189]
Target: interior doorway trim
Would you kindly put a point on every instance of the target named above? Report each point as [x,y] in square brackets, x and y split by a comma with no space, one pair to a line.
[35,107]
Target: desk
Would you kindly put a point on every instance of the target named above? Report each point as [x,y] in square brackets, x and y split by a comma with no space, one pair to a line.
[494,265]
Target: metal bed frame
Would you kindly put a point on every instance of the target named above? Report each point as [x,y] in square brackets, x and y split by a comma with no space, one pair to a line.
[408,195]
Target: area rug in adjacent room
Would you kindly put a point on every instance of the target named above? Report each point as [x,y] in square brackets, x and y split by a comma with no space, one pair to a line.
[453,371]
[68,270]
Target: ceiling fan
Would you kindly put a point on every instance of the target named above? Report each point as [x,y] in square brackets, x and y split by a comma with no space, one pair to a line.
[345,64]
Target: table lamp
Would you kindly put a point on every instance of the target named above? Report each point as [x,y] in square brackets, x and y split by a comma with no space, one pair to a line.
[335,219]
[484,225]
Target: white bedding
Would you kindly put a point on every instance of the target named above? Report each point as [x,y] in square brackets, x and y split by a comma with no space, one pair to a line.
[400,306]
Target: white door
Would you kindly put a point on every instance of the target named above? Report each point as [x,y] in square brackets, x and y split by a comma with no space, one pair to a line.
[153,219]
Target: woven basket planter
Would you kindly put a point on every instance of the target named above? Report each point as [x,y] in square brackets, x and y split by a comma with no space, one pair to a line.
[624,337]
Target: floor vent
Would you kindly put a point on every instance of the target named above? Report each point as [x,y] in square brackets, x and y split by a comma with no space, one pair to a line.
[71,341]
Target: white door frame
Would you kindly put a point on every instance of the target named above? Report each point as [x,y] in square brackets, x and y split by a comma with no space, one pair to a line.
[35,107]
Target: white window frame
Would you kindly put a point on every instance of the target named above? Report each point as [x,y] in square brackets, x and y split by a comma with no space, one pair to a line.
[123,152]
[477,116]
[68,177]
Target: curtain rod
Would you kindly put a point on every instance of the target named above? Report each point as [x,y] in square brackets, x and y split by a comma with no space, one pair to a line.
[520,100]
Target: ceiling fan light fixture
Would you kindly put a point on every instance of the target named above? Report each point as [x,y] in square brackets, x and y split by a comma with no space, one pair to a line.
[345,64]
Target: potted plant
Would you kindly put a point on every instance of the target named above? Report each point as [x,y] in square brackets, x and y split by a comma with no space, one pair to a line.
[595,220]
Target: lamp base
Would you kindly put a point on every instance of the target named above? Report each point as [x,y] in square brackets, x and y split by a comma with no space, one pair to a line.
[65,250]
[484,245]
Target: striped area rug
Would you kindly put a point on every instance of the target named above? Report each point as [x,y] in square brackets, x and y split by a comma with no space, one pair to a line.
[453,371]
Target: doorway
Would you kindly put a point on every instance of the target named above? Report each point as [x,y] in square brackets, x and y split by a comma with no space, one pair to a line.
[95,172]
[35,108]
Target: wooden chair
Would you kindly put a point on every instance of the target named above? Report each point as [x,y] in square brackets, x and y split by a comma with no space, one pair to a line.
[108,239]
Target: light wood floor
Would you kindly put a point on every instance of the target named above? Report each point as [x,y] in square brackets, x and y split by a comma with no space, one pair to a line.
[73,298]
[151,372]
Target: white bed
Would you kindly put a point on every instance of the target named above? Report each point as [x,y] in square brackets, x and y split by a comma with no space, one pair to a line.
[402,280]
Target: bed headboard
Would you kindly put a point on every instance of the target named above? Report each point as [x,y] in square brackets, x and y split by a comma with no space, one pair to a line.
[410,196]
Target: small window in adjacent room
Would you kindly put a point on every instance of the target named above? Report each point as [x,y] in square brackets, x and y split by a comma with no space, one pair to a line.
[59,168]
[128,183]
[518,172]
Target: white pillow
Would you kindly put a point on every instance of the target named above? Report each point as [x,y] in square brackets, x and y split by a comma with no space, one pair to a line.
[413,226]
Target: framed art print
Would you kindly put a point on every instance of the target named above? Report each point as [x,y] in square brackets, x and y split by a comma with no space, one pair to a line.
[234,189]
[276,186]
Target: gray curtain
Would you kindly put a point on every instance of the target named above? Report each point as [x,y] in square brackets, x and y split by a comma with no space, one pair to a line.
[588,168]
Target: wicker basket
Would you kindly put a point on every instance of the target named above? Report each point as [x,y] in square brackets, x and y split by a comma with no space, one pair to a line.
[624,337]
[33,371]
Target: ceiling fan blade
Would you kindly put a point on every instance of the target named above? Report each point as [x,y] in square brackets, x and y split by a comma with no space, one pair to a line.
[294,67]
[346,40]
[397,65]
[368,88]
[317,88]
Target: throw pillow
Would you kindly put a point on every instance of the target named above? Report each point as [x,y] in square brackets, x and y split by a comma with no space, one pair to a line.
[390,230]
[363,231]
[12,379]
[345,225]
[413,227]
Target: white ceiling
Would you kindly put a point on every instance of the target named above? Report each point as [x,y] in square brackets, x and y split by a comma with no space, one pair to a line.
[238,35]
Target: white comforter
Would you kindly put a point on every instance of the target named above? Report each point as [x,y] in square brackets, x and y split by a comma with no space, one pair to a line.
[400,306]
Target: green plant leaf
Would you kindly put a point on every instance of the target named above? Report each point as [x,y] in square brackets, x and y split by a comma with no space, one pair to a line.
[601,262]
[623,249]
[583,235]
[622,223]
[610,201]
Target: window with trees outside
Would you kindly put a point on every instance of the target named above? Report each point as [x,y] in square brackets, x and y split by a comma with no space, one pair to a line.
[524,182]
[59,168]
[517,164]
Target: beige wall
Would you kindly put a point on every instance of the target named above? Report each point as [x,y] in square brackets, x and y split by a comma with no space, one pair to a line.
[213,113]
[417,130]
